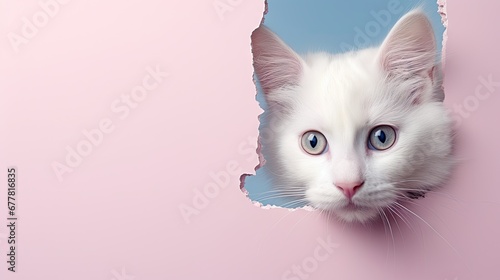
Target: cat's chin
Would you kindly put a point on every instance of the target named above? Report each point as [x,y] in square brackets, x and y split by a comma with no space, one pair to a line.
[352,213]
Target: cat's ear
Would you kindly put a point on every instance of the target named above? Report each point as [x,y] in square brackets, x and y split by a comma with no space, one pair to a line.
[276,64]
[410,47]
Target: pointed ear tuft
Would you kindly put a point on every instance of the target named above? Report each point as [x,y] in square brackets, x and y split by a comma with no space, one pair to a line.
[410,47]
[276,64]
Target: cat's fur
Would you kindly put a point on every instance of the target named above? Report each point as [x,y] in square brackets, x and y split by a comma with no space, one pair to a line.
[344,96]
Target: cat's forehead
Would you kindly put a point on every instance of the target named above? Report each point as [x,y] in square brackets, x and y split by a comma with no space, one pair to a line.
[338,89]
[342,73]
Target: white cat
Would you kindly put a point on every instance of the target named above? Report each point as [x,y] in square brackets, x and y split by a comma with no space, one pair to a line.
[358,131]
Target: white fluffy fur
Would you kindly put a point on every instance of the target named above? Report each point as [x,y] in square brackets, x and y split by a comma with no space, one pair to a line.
[344,96]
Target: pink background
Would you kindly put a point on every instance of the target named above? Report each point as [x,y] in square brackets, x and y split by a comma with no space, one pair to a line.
[117,214]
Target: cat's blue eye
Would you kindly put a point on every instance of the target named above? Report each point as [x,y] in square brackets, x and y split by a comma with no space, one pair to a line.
[313,142]
[381,138]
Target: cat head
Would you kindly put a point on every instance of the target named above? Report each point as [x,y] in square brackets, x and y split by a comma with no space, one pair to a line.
[353,133]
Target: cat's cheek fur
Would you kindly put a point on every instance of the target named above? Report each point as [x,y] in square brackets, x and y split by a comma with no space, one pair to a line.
[422,157]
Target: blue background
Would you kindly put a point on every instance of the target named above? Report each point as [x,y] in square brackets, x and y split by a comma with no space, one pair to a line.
[332,26]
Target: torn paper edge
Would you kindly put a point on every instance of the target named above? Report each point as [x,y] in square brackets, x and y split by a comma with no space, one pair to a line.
[444,20]
[259,153]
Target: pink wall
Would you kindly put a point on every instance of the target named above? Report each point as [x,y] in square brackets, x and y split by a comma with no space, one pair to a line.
[163,143]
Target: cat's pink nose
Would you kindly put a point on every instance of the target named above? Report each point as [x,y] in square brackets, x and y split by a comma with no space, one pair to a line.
[349,188]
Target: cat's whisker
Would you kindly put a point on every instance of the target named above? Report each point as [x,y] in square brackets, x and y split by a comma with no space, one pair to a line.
[396,222]
[408,180]
[285,188]
[399,189]
[289,204]
[277,196]
[430,210]
[391,233]
[429,225]
[331,216]
[393,210]
[300,220]
[406,198]
[433,192]
[403,218]
[417,229]
[415,202]
[272,172]
[262,235]
[273,226]
[433,229]
[385,233]
[282,191]
[458,200]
